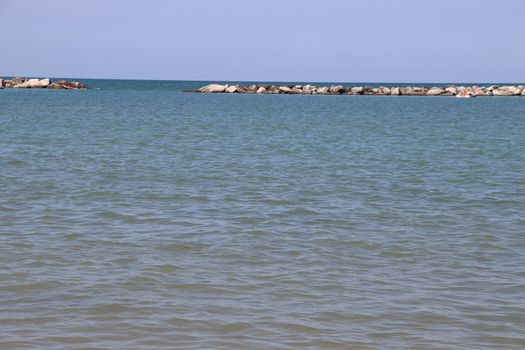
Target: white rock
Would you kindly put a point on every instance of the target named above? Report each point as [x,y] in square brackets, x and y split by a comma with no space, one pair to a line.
[231,89]
[357,90]
[261,90]
[452,90]
[45,82]
[394,91]
[213,88]
[24,85]
[2,82]
[285,89]
[506,91]
[34,83]
[336,89]
[435,91]
[322,90]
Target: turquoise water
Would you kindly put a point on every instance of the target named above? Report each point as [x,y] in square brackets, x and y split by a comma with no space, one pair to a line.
[135,216]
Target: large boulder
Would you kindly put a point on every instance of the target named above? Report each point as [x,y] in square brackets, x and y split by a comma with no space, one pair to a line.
[337,89]
[383,90]
[261,90]
[395,91]
[2,82]
[506,91]
[451,90]
[307,89]
[45,82]
[54,86]
[24,85]
[420,91]
[357,90]
[285,89]
[322,90]
[407,91]
[435,91]
[34,83]
[213,88]
[18,81]
[232,89]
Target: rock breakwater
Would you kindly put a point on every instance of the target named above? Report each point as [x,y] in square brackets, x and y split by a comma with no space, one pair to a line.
[24,83]
[445,90]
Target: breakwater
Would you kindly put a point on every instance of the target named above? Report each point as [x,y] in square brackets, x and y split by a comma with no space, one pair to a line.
[448,90]
[46,83]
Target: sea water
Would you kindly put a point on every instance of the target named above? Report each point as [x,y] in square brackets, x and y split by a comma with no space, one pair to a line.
[137,216]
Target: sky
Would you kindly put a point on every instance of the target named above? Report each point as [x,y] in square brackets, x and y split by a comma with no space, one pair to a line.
[270,40]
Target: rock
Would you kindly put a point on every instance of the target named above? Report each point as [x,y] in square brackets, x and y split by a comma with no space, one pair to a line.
[45,82]
[2,82]
[296,91]
[212,88]
[285,89]
[34,84]
[231,89]
[24,85]
[55,86]
[336,89]
[395,91]
[451,90]
[261,90]
[368,90]
[322,90]
[307,89]
[420,91]
[407,90]
[18,81]
[506,91]
[435,91]
[8,83]
[385,90]
[357,90]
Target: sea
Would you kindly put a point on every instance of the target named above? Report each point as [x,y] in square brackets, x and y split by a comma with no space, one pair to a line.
[134,215]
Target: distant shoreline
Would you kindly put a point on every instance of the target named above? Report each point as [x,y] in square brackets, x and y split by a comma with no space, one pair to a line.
[444,90]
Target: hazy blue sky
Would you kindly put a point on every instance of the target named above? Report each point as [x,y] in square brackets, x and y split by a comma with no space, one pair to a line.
[297,40]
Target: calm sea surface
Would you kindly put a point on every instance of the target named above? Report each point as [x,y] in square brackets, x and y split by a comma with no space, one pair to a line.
[136,216]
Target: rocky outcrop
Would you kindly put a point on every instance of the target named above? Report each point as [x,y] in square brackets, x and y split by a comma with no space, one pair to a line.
[23,83]
[445,90]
